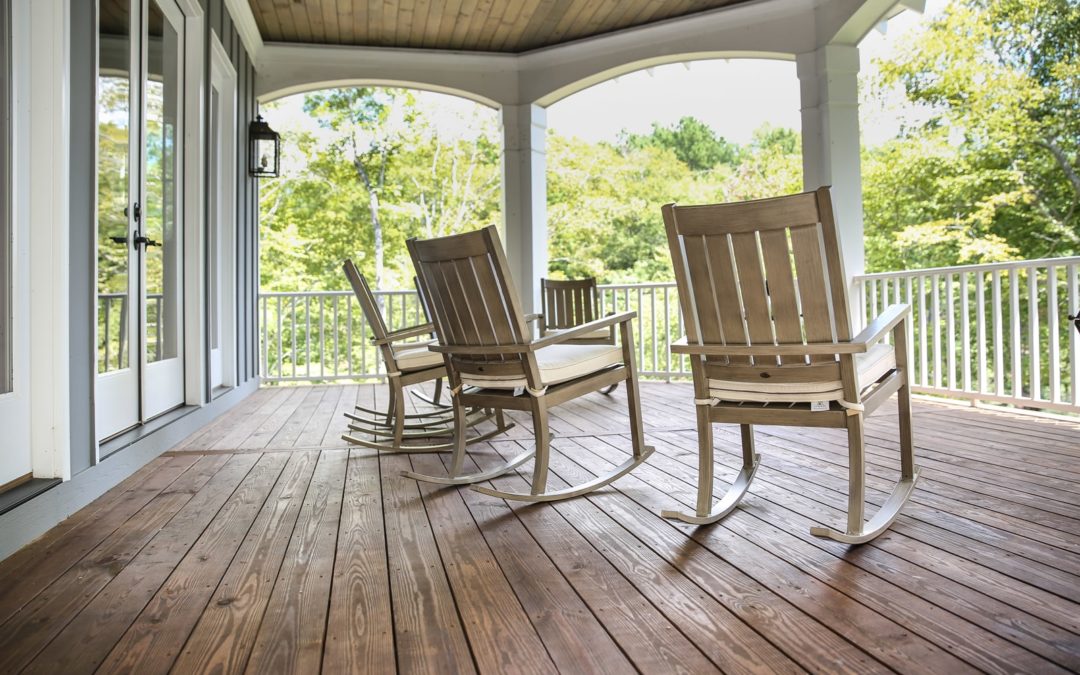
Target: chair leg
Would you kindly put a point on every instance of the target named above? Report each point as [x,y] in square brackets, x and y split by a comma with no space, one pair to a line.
[399,412]
[543,445]
[858,531]
[706,513]
[391,408]
[437,398]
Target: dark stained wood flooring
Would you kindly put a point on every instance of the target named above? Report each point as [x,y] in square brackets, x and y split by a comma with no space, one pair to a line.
[264,544]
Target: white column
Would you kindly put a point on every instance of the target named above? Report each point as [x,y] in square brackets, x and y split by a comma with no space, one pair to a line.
[47,201]
[525,198]
[829,89]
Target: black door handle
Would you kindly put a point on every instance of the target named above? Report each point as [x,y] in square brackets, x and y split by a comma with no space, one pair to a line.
[146,241]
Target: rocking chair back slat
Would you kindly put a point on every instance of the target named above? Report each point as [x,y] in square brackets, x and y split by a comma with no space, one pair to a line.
[368,304]
[760,272]
[568,303]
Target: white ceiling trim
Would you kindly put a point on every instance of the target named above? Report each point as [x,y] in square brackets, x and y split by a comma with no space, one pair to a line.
[774,29]
[244,22]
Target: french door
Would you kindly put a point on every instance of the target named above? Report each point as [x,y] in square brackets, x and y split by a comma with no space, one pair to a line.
[139,213]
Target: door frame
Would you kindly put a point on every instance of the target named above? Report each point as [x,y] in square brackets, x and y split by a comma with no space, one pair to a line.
[191,216]
[223,77]
[159,382]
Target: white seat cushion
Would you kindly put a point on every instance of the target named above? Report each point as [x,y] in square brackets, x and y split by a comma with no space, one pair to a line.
[557,363]
[870,366]
[417,357]
[599,334]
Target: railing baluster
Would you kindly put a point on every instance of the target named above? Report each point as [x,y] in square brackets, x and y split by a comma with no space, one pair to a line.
[322,336]
[652,319]
[950,330]
[348,334]
[280,355]
[108,337]
[999,332]
[265,338]
[980,328]
[923,359]
[1014,325]
[935,309]
[307,336]
[337,356]
[1053,330]
[1074,336]
[1034,336]
[667,336]
[965,333]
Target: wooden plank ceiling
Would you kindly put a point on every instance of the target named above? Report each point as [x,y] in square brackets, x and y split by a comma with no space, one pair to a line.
[471,25]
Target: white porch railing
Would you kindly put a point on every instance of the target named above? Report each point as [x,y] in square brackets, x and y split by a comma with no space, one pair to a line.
[323,336]
[996,332]
[985,332]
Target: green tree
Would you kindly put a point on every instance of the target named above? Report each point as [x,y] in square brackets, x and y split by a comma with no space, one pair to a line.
[991,171]
[368,140]
[424,181]
[695,143]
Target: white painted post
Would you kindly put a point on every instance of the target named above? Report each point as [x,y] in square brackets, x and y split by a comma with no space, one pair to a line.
[49,143]
[525,198]
[829,92]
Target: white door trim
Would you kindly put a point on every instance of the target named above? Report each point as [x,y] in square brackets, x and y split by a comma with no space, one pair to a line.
[222,225]
[47,210]
[195,96]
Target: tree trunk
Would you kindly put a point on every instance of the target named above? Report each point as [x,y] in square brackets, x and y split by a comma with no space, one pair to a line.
[376,225]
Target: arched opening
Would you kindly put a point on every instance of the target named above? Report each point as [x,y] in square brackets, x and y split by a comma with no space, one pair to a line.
[689,132]
[363,169]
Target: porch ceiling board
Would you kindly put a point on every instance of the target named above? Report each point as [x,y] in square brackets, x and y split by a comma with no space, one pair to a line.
[262,540]
[511,26]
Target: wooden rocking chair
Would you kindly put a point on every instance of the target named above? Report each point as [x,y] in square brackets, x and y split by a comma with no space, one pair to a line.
[764,294]
[407,363]
[484,338]
[566,303]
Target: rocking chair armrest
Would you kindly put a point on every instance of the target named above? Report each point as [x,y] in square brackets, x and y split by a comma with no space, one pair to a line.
[884,323]
[529,318]
[535,345]
[681,346]
[578,331]
[404,334]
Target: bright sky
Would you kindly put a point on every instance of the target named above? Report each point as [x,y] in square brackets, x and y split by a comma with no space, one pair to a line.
[733,96]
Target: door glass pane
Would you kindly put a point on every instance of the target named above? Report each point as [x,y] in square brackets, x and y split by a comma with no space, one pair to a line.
[160,224]
[114,130]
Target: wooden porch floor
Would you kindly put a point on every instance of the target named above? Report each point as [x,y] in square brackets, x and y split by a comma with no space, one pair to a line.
[263,544]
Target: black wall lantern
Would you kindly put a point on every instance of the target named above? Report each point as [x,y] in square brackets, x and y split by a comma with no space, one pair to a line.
[265,159]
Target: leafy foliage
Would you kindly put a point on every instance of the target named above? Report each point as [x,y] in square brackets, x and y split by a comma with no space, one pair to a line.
[991,173]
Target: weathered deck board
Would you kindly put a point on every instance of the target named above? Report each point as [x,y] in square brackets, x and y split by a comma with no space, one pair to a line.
[262,544]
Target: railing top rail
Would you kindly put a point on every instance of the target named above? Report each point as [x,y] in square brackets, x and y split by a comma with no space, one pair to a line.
[302,294]
[312,294]
[986,267]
